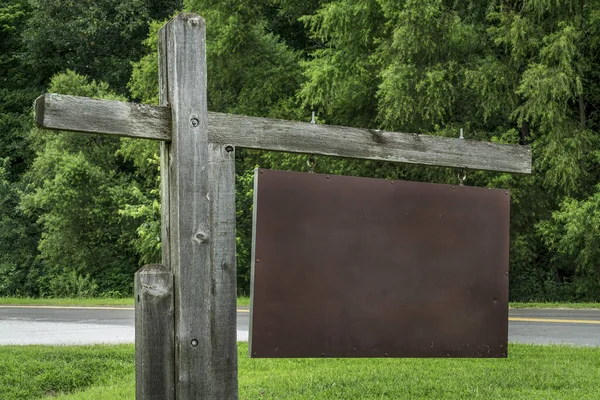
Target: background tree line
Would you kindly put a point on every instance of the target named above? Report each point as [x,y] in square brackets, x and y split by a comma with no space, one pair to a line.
[81,213]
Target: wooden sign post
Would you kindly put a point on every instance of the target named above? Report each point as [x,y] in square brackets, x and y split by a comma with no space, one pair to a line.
[186,308]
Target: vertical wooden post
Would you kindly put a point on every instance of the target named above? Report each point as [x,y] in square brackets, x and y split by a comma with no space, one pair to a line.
[199,221]
[154,350]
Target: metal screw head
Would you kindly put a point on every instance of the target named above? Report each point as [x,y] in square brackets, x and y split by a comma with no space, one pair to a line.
[194,122]
[229,148]
[194,343]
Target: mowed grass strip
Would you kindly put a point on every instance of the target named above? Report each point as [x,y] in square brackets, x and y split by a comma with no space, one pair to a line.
[243,301]
[83,302]
[594,306]
[107,372]
[68,302]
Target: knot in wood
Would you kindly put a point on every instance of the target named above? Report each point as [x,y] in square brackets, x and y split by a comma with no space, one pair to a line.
[377,136]
[201,237]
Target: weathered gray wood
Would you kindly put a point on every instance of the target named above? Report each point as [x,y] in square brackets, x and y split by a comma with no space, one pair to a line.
[82,114]
[154,339]
[302,137]
[199,231]
[124,119]
[165,146]
[224,272]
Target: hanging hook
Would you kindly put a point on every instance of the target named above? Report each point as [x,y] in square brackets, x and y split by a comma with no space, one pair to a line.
[462,175]
[311,162]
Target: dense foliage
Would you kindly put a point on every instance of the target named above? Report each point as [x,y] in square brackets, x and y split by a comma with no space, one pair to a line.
[80,213]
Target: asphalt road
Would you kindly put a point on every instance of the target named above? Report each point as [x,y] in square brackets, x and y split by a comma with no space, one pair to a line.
[59,325]
[76,325]
[558,326]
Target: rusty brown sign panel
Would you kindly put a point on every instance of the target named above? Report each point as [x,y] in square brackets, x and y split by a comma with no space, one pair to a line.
[360,267]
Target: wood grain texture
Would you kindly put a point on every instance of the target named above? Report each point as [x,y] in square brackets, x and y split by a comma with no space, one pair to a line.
[303,137]
[154,339]
[165,148]
[151,122]
[199,225]
[83,114]
[223,259]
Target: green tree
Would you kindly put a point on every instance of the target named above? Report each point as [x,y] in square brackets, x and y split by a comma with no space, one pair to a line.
[511,71]
[16,91]
[96,39]
[573,237]
[18,233]
[19,268]
[40,38]
[550,50]
[75,188]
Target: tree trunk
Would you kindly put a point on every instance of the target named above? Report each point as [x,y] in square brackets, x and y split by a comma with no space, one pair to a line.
[524,133]
[582,119]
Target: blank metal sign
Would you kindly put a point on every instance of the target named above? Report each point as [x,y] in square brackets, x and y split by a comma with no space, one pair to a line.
[360,267]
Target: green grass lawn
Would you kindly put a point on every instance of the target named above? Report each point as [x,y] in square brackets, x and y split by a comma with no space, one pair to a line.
[107,372]
[243,301]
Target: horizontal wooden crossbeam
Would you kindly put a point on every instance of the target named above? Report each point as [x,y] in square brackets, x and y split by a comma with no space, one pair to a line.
[82,114]
[303,137]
